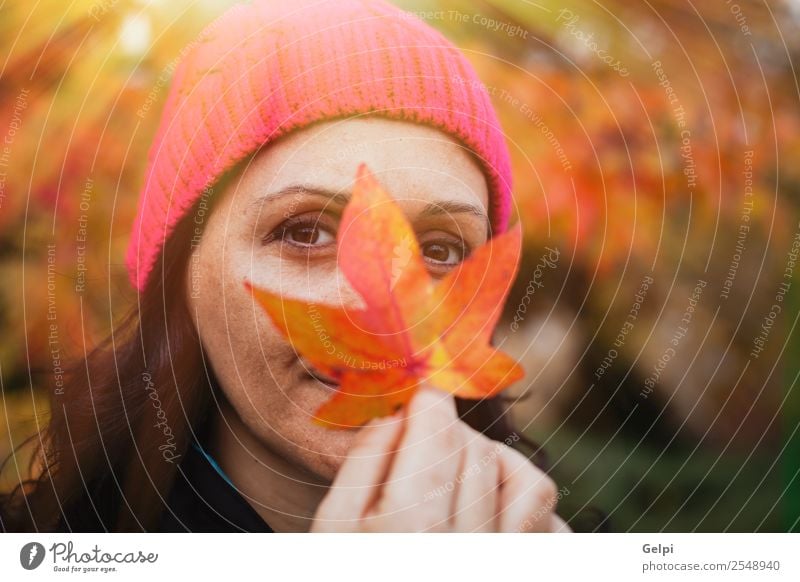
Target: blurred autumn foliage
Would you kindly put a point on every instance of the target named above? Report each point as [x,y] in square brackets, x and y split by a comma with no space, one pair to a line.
[642,135]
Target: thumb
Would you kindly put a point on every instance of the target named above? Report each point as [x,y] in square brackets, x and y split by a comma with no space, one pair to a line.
[429,397]
[429,408]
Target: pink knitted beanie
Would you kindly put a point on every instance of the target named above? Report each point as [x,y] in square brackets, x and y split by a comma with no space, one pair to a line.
[264,69]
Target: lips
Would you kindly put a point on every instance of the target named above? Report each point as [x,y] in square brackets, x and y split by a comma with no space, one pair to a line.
[319,376]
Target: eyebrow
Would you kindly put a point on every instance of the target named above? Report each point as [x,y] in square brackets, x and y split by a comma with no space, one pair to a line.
[342,198]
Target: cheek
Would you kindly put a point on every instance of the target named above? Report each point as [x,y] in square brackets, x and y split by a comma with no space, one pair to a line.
[256,367]
[247,353]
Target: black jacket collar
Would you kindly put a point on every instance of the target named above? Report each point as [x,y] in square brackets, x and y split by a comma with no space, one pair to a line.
[201,500]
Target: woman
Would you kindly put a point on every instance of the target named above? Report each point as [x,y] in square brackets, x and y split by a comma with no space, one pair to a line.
[195,414]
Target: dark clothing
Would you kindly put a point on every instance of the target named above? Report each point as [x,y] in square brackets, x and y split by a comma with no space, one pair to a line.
[203,501]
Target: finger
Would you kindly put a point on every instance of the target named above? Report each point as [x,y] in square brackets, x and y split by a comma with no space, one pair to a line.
[558,525]
[527,495]
[359,479]
[477,494]
[421,482]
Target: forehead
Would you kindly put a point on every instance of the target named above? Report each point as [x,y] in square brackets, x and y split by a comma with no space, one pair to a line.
[415,163]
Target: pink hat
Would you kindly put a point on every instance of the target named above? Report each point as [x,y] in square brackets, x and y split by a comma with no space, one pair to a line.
[264,69]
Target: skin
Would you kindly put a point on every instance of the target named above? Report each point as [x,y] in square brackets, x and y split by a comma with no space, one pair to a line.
[274,228]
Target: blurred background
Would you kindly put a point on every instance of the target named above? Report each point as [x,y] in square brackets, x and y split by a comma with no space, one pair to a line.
[656,152]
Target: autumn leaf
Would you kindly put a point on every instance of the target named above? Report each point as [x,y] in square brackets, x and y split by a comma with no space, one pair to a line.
[413,329]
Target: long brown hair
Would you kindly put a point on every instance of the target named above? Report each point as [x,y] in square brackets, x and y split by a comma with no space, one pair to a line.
[107,460]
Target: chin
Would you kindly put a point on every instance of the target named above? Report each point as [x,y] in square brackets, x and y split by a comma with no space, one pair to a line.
[320,450]
[328,452]
[329,463]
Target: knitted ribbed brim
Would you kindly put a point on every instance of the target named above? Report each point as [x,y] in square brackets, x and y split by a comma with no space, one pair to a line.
[264,69]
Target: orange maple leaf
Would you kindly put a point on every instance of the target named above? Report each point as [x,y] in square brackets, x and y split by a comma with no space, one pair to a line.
[413,329]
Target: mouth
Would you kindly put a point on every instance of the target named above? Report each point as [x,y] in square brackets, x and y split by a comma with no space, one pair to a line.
[315,374]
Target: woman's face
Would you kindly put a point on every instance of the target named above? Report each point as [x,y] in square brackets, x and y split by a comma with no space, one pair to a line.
[276,227]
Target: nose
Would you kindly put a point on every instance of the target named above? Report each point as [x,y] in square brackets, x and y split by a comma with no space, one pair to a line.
[321,285]
[337,291]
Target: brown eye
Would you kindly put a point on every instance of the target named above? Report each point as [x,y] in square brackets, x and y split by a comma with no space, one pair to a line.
[308,235]
[443,253]
[303,232]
